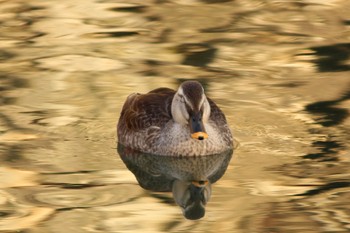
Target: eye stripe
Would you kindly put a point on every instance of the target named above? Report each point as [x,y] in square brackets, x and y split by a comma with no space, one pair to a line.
[189,108]
[188,103]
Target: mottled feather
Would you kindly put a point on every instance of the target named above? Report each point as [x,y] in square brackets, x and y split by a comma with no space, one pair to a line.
[142,111]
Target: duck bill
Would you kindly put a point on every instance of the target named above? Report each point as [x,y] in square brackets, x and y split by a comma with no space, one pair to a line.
[192,197]
[199,196]
[197,127]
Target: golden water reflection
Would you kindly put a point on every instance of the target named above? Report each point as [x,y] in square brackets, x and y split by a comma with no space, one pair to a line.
[278,69]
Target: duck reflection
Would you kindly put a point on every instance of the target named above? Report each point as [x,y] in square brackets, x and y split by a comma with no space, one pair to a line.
[189,177]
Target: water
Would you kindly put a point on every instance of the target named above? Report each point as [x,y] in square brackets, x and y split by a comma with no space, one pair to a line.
[278,69]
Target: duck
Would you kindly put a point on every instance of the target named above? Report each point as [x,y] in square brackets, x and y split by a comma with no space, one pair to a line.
[182,122]
[177,124]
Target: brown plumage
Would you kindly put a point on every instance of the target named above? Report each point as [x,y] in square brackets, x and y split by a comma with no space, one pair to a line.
[164,122]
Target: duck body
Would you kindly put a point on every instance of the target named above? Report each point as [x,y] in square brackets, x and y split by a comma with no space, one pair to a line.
[174,123]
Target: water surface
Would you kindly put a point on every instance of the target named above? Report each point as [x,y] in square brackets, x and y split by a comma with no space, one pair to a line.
[278,69]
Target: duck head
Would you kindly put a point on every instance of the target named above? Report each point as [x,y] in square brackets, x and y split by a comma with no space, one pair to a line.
[192,197]
[191,107]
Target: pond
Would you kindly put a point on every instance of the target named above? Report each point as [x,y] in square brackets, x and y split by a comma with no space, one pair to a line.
[279,70]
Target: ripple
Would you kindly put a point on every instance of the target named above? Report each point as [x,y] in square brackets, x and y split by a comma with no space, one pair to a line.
[15,216]
[56,121]
[87,178]
[274,188]
[62,198]
[73,62]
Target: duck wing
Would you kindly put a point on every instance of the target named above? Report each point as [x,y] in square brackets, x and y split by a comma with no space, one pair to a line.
[217,118]
[144,111]
[216,115]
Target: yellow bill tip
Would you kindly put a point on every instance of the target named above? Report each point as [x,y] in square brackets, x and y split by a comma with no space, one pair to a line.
[199,135]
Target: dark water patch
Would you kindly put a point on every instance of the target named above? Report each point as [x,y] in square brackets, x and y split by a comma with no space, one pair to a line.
[223,28]
[38,121]
[35,8]
[250,29]
[170,226]
[197,54]
[112,34]
[345,96]
[132,9]
[121,34]
[327,146]
[329,150]
[153,17]
[7,100]
[4,213]
[5,55]
[151,67]
[161,1]
[222,41]
[70,185]
[346,22]
[19,82]
[118,34]
[14,154]
[70,172]
[330,114]
[215,1]
[72,208]
[332,58]
[290,84]
[150,73]
[163,36]
[10,82]
[4,87]
[7,121]
[36,112]
[326,187]
[151,62]
[26,7]
[321,157]
[34,36]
